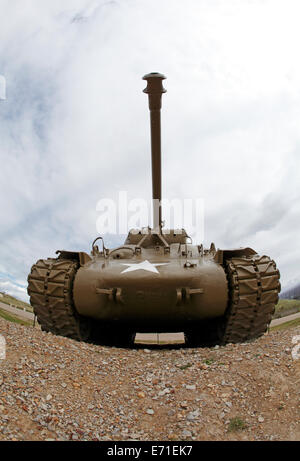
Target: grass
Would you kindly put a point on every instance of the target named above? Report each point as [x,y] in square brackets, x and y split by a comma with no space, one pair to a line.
[236,424]
[7,299]
[286,307]
[12,318]
[184,367]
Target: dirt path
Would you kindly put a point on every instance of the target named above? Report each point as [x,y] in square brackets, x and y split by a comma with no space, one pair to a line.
[18,312]
[282,320]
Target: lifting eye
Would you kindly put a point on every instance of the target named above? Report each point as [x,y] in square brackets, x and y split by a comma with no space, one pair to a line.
[188,265]
[123,253]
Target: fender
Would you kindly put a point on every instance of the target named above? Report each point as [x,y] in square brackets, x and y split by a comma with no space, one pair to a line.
[222,255]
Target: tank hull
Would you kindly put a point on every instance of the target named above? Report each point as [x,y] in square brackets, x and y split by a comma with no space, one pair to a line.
[228,296]
[152,294]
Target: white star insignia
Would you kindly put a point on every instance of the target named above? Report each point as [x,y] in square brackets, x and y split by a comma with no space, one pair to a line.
[145,266]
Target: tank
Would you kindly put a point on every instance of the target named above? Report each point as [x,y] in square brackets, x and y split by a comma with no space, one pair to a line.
[158,281]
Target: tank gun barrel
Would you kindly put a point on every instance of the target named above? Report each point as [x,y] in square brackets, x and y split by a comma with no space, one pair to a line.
[155,91]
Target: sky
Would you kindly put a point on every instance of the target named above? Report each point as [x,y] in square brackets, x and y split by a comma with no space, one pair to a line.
[74,127]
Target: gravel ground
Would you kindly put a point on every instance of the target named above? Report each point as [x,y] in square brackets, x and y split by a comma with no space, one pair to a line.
[53,388]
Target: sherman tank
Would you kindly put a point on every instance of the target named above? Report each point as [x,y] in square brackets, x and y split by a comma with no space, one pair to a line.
[158,281]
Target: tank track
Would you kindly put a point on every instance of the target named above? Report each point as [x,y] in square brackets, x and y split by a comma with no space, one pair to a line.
[253,288]
[253,294]
[50,287]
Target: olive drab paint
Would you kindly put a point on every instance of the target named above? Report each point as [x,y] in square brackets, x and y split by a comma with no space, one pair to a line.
[155,90]
[156,282]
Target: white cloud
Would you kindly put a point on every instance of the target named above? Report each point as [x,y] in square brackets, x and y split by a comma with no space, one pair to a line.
[2,88]
[14,290]
[75,126]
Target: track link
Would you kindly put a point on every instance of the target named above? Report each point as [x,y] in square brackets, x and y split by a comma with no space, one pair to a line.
[253,294]
[50,287]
